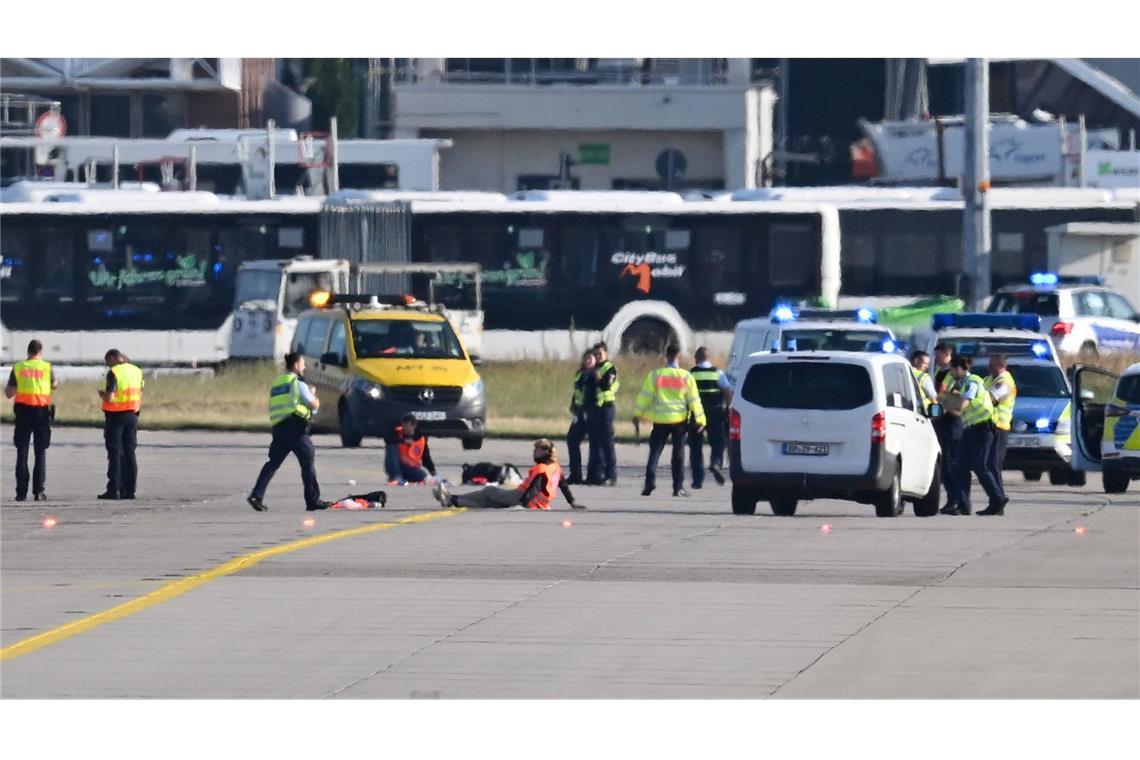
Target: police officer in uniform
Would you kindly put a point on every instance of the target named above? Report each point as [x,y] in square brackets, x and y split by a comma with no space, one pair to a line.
[582,402]
[1003,393]
[974,449]
[602,467]
[291,407]
[667,398]
[122,399]
[29,385]
[919,366]
[716,393]
[948,427]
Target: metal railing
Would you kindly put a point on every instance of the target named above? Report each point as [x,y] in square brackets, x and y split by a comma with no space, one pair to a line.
[633,72]
[18,113]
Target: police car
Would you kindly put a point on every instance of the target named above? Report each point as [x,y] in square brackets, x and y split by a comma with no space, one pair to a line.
[1106,418]
[791,328]
[1041,436]
[1081,315]
[980,336]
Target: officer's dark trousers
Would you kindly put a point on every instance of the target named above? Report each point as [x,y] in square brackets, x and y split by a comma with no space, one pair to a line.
[32,429]
[716,432]
[603,458]
[657,439]
[579,429]
[974,452]
[949,429]
[292,435]
[120,434]
[997,460]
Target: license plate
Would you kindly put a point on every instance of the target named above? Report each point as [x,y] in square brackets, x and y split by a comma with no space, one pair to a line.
[430,416]
[1024,441]
[807,449]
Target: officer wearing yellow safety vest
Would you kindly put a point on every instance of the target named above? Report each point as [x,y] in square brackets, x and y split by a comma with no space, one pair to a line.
[601,469]
[667,398]
[716,393]
[122,399]
[29,385]
[583,402]
[973,404]
[291,407]
[948,427]
[919,367]
[1003,392]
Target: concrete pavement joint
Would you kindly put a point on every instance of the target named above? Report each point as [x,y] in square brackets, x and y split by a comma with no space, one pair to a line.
[926,587]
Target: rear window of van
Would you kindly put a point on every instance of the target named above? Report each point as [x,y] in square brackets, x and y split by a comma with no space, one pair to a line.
[808,385]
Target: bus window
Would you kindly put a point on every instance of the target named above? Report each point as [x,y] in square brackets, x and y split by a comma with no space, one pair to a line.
[651,258]
[55,280]
[791,256]
[16,266]
[581,244]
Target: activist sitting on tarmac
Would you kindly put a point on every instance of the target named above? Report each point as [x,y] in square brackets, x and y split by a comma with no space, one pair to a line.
[535,492]
[406,455]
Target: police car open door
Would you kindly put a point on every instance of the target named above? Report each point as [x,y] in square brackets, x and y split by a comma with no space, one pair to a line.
[1093,389]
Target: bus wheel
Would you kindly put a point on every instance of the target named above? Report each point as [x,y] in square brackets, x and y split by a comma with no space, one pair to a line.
[647,336]
[349,438]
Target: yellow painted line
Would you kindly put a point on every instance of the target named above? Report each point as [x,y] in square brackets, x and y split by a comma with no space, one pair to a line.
[183,585]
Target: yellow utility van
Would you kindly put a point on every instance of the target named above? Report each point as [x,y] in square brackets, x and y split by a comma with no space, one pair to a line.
[372,360]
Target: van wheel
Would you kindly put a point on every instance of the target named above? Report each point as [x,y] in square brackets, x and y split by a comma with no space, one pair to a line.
[1059,477]
[927,506]
[1077,478]
[743,502]
[647,336]
[889,503]
[1033,475]
[348,437]
[471,444]
[784,507]
[1115,481]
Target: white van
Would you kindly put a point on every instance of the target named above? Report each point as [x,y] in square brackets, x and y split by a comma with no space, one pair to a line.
[831,424]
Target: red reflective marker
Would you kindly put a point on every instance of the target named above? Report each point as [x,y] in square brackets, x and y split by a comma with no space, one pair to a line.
[825,528]
[567,524]
[309,523]
[50,522]
[1079,530]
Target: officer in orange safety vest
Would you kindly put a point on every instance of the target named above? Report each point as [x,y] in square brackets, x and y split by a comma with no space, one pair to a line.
[407,457]
[535,492]
[29,385]
[122,399]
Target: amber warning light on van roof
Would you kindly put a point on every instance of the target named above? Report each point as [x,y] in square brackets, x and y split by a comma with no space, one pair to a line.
[322,299]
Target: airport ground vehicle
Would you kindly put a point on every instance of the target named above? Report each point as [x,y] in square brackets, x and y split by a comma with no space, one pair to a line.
[832,424]
[790,328]
[1106,419]
[373,360]
[272,293]
[1083,317]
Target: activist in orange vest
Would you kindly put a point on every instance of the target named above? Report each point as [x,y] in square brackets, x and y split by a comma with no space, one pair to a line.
[122,399]
[535,492]
[29,385]
[407,457]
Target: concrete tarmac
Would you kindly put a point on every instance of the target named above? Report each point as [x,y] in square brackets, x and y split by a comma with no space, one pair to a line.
[637,597]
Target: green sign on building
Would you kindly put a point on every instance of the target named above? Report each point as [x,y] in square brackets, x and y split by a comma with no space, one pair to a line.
[596,153]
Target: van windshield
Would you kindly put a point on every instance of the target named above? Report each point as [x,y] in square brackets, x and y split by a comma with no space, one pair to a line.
[258,286]
[838,339]
[808,385]
[403,339]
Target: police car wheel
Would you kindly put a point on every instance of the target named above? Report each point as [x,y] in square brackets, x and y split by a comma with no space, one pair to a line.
[1088,353]
[889,503]
[1033,475]
[1058,477]
[1077,478]
[784,507]
[743,502]
[471,444]
[1115,481]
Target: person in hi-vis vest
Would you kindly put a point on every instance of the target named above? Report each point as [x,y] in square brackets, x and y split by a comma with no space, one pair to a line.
[291,407]
[30,384]
[122,399]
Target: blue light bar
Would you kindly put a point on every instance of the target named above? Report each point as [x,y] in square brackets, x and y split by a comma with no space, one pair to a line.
[1043,278]
[1052,279]
[783,314]
[889,346]
[987,320]
[862,314]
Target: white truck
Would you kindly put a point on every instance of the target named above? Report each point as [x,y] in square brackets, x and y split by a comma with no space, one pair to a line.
[271,294]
